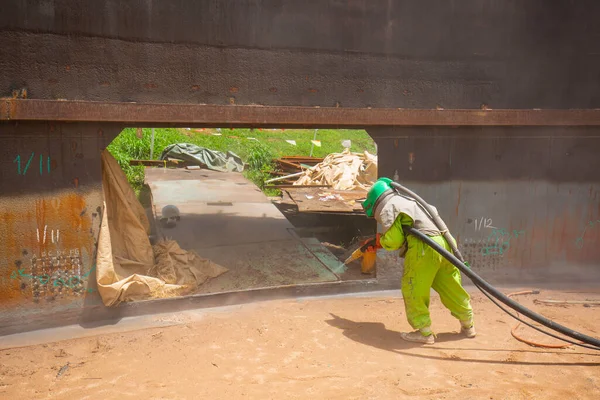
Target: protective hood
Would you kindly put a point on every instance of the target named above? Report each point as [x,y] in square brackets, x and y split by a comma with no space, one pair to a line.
[390,208]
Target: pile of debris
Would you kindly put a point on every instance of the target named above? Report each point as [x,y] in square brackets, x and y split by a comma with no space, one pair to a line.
[289,168]
[337,184]
[342,171]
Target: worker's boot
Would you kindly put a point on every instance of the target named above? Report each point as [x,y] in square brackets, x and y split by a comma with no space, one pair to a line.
[424,336]
[467,329]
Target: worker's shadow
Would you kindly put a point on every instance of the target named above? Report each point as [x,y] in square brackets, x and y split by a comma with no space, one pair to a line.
[376,335]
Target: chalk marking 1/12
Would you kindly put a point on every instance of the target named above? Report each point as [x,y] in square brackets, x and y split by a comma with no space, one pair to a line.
[483,223]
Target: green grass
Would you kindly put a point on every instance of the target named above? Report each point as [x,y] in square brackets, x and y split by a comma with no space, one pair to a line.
[256,153]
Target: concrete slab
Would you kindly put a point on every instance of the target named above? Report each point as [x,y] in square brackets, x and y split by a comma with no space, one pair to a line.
[203,225]
[182,186]
[206,175]
[226,218]
[265,264]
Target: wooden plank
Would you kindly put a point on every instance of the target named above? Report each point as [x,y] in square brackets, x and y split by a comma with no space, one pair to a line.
[318,159]
[305,160]
[285,177]
[289,166]
[289,186]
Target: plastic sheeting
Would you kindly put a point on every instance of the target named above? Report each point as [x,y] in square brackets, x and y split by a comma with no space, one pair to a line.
[211,159]
[128,267]
[343,171]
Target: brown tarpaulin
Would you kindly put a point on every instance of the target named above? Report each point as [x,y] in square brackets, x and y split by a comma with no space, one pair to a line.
[128,266]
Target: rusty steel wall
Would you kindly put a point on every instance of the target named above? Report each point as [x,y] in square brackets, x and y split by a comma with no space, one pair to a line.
[355,53]
[515,198]
[50,209]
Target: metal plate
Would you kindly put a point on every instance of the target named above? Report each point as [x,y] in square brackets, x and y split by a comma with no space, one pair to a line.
[316,200]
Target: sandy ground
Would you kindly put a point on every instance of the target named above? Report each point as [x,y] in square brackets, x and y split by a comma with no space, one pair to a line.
[335,348]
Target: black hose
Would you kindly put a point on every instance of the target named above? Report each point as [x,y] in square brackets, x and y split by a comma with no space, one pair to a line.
[483,285]
[531,325]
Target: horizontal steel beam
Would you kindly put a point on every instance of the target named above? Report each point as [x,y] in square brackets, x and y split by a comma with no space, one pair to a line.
[141,114]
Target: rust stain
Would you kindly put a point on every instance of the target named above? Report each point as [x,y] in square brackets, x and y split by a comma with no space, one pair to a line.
[234,89]
[73,207]
[9,289]
[273,90]
[19,93]
[61,223]
[150,85]
[76,182]
[458,199]
[313,90]
[195,87]
[105,84]
[67,68]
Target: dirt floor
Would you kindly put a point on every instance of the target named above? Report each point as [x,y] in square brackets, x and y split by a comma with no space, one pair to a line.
[328,348]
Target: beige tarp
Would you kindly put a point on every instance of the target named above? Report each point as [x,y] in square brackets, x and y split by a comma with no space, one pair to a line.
[343,171]
[128,266]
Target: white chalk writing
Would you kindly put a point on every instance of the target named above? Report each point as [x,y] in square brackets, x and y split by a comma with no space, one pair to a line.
[483,222]
[43,235]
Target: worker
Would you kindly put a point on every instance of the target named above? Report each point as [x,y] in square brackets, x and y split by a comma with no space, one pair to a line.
[424,268]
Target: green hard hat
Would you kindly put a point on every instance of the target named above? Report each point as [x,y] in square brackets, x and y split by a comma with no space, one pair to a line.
[381,186]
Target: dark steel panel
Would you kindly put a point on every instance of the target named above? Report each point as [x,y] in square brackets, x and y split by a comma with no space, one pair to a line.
[50,210]
[358,53]
[440,154]
[428,28]
[526,201]
[196,114]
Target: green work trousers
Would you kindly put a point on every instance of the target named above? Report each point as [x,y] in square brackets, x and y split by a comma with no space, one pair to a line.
[424,269]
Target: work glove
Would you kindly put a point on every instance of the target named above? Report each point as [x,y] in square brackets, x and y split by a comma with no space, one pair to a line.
[372,243]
